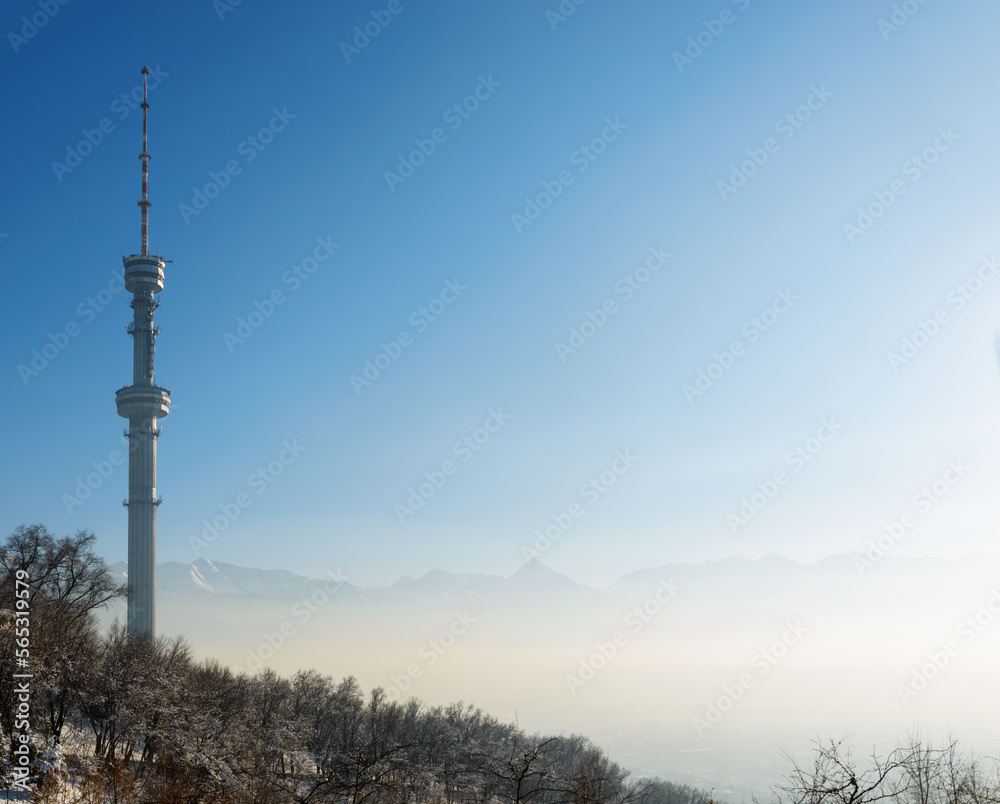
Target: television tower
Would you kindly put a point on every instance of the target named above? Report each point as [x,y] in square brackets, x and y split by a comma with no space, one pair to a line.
[142,403]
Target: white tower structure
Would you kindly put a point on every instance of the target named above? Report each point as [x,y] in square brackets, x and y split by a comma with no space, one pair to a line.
[142,403]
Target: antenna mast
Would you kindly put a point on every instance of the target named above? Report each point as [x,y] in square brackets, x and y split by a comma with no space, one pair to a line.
[144,204]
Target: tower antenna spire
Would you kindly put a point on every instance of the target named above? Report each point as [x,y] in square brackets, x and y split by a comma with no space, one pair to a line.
[144,204]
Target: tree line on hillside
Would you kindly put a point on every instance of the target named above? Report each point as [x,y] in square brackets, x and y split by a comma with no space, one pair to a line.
[161,726]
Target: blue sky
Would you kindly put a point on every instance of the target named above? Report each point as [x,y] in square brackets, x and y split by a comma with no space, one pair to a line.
[289,135]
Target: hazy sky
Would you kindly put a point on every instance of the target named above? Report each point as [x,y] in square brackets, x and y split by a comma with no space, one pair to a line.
[538,228]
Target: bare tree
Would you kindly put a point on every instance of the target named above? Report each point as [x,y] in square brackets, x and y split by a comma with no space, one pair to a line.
[590,777]
[67,583]
[518,770]
[63,571]
[912,773]
[836,778]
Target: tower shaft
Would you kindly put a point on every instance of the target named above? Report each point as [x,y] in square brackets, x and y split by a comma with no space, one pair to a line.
[142,503]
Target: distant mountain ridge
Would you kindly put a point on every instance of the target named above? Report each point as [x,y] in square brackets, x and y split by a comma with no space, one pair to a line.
[732,573]
[220,578]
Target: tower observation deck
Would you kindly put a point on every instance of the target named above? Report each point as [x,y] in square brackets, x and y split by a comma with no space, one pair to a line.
[142,403]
